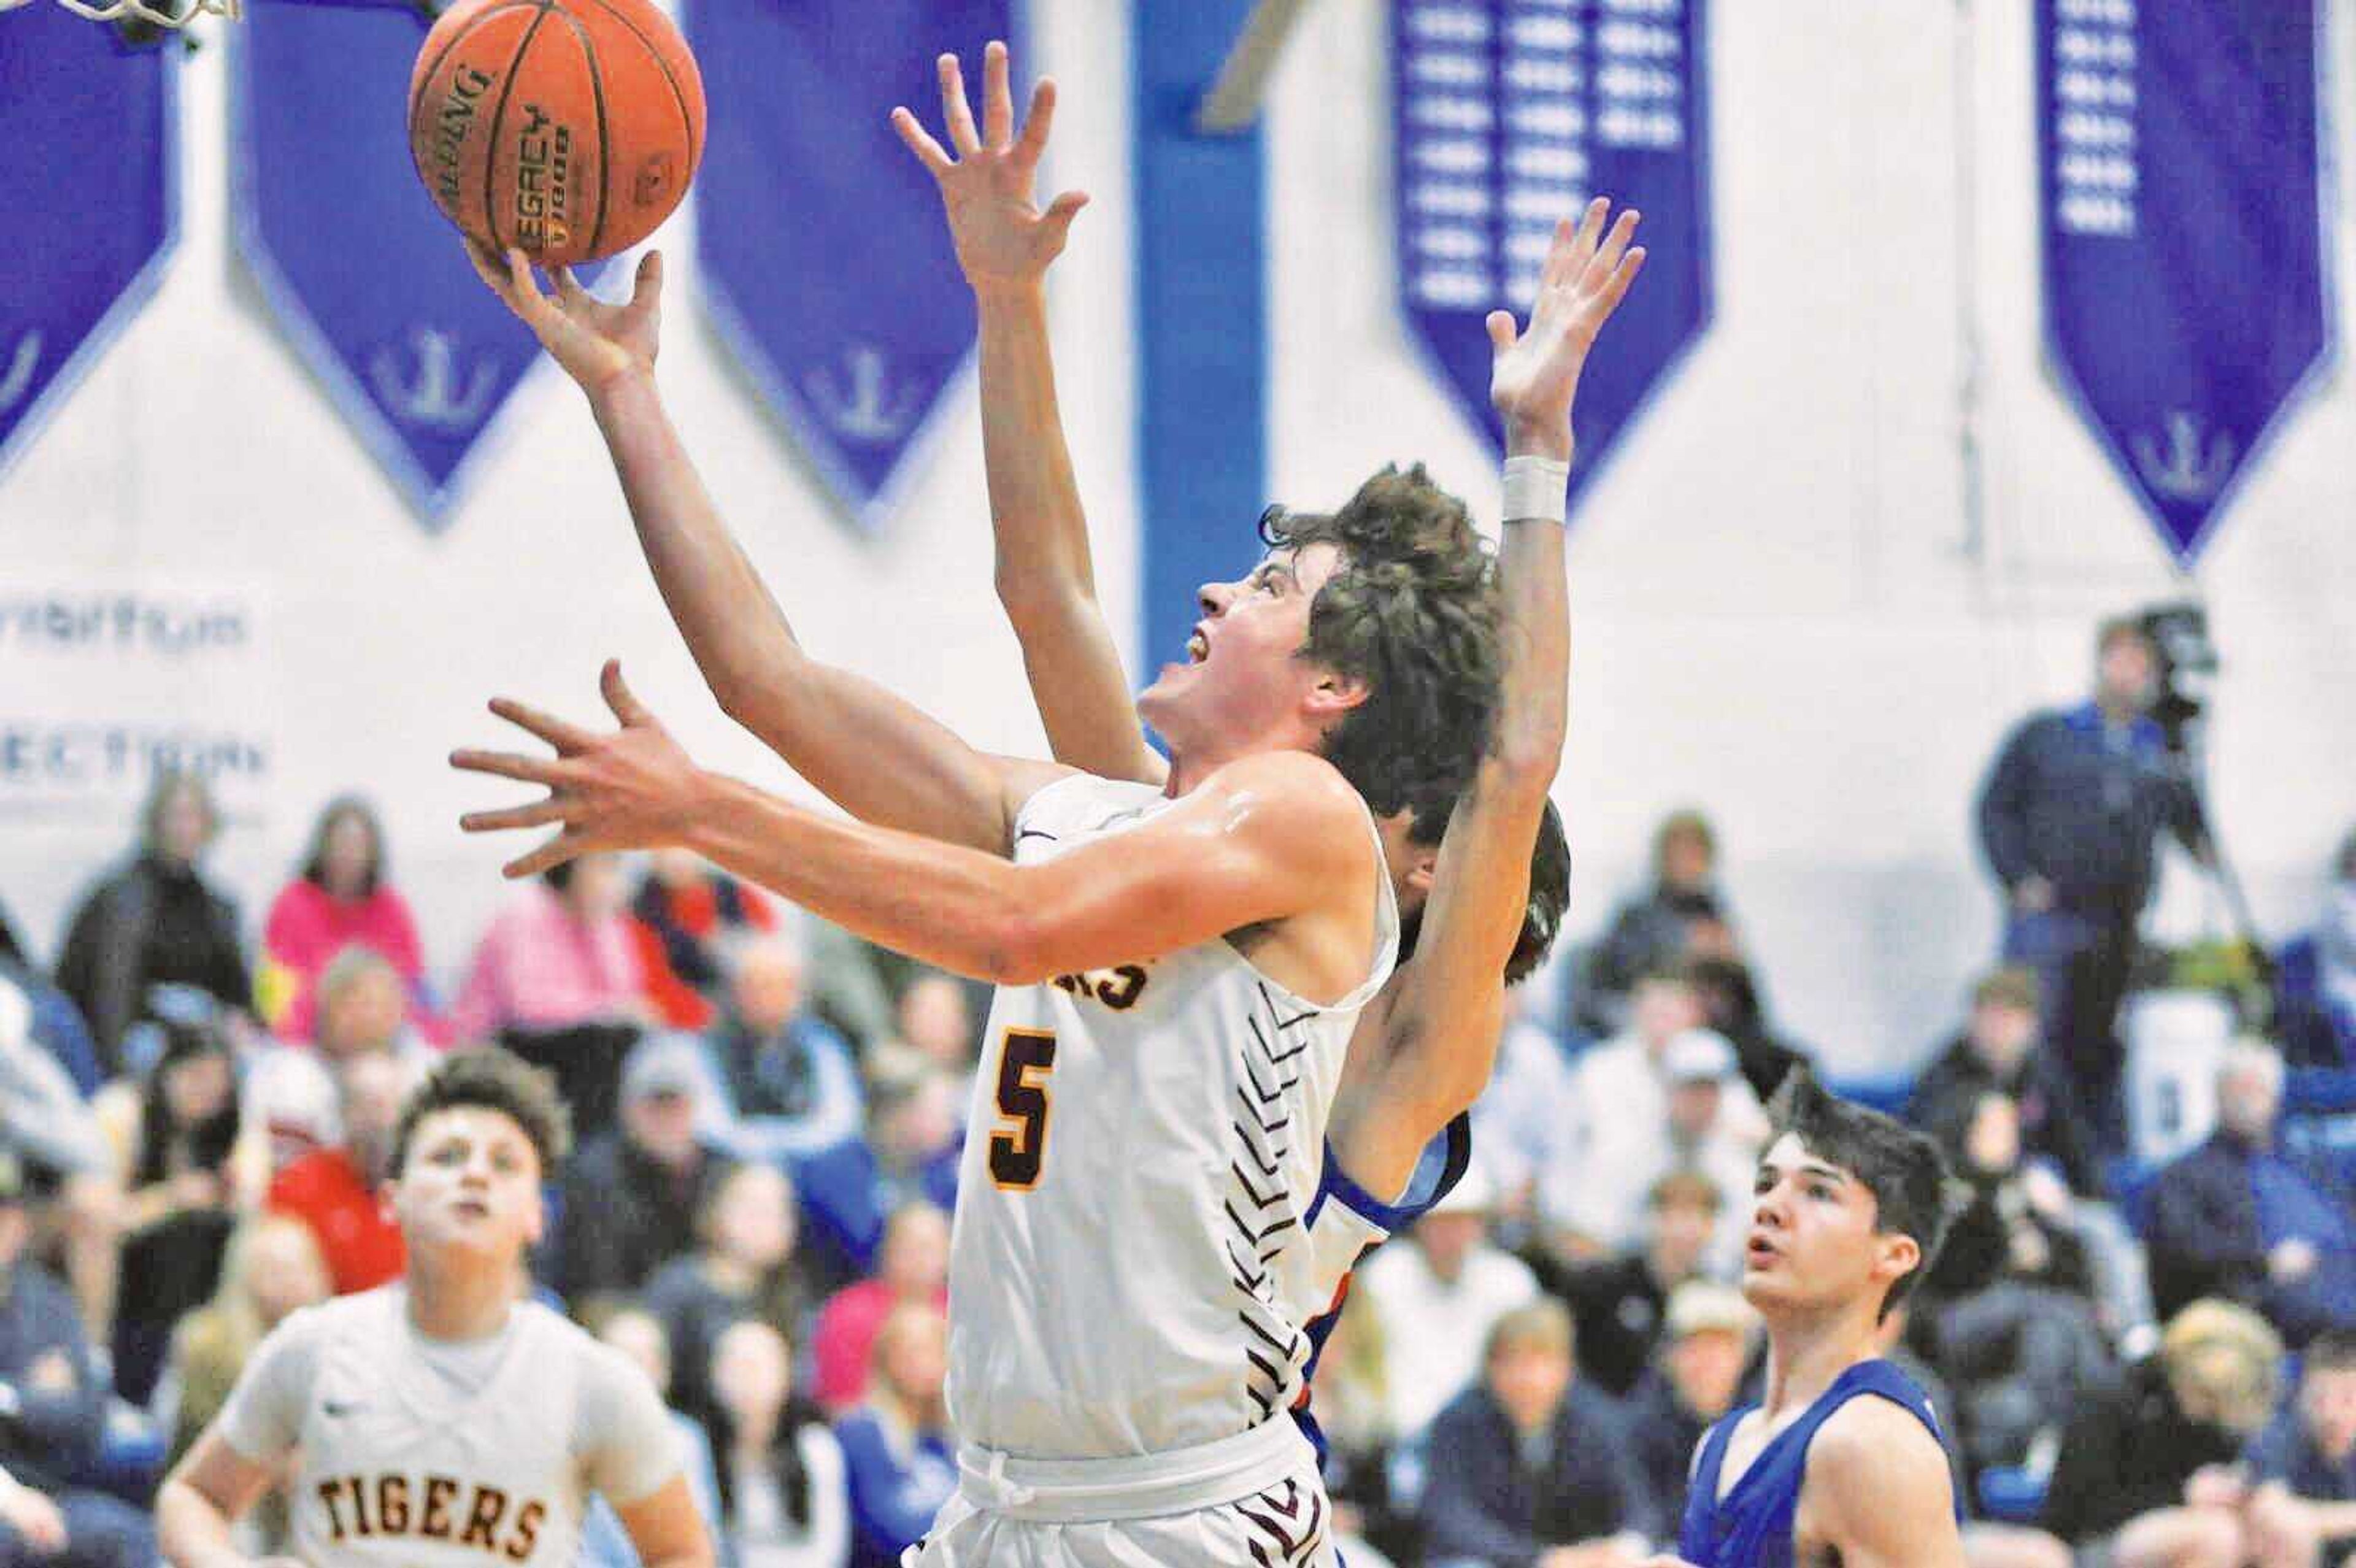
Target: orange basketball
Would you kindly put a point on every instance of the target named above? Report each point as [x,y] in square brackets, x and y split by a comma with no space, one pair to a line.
[570,128]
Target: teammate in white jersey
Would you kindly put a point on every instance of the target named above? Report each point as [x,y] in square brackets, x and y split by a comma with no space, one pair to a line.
[1482,899]
[443,1421]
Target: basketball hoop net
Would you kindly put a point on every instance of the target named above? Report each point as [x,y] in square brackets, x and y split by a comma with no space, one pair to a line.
[167,14]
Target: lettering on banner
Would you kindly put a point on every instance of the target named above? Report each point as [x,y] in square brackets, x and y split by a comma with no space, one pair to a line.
[2097,165]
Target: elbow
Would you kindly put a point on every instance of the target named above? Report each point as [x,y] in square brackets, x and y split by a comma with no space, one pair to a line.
[1015,951]
[1527,757]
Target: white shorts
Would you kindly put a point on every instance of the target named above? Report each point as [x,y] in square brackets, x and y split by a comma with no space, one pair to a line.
[1159,1512]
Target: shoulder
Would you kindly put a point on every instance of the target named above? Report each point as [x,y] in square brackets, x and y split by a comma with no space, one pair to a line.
[1871,1450]
[1287,776]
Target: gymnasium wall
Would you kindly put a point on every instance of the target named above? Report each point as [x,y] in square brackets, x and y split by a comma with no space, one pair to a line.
[1784,612]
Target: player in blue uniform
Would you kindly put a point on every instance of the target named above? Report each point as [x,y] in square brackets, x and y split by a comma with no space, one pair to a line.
[1844,1461]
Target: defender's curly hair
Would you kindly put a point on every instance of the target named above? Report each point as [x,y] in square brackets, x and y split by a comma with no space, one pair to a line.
[1412,611]
[494,1080]
[1541,913]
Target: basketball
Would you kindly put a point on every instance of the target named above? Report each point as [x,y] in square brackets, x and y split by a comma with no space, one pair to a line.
[569,128]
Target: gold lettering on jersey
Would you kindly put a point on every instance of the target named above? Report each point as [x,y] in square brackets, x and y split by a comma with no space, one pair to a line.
[429,1508]
[1115,988]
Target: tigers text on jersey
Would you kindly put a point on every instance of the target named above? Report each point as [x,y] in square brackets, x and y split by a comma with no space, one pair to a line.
[1128,1274]
[416,1453]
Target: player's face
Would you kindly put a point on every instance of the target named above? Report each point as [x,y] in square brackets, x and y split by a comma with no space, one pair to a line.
[1813,1242]
[1242,677]
[470,1184]
[2326,1398]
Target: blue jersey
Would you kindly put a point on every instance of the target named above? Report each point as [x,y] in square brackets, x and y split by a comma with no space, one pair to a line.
[1751,1527]
[1345,1222]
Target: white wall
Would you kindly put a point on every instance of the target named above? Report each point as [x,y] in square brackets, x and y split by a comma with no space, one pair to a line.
[1781,615]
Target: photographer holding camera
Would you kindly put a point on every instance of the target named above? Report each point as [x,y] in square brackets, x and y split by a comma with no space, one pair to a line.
[2070,819]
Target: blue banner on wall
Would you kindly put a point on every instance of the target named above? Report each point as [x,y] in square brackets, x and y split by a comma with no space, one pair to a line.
[823,253]
[2184,260]
[88,183]
[361,269]
[1511,114]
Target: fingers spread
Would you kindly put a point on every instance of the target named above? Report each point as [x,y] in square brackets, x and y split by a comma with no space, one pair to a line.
[956,113]
[1037,123]
[1501,330]
[997,97]
[626,707]
[549,856]
[929,152]
[539,813]
[508,765]
[566,737]
[1616,245]
[646,289]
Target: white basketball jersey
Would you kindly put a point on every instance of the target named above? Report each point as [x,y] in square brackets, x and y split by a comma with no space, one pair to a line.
[1128,1272]
[404,1466]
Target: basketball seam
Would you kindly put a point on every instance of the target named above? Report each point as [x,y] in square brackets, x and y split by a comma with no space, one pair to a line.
[499,112]
[425,77]
[686,120]
[604,143]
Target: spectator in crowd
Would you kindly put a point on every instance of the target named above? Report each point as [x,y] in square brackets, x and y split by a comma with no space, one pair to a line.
[154,922]
[292,1093]
[337,1191]
[2069,819]
[1437,1296]
[1693,1383]
[45,1125]
[2315,981]
[685,912]
[1620,1303]
[936,1019]
[914,1272]
[1657,928]
[176,1136]
[1999,1053]
[741,1267]
[2237,1220]
[788,1085]
[273,1266]
[2308,1450]
[909,1154]
[630,1195]
[54,1024]
[1530,1467]
[52,1413]
[339,900]
[1731,1004]
[604,1542]
[1526,1122]
[2145,1476]
[899,1456]
[784,1496]
[1648,1110]
[556,981]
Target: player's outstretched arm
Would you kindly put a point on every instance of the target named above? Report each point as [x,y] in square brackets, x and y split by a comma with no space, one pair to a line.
[201,1498]
[1878,1490]
[1442,1027]
[1264,839]
[869,751]
[1046,580]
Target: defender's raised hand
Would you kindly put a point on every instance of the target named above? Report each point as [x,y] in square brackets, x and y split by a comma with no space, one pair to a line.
[631,788]
[597,344]
[1533,374]
[987,175]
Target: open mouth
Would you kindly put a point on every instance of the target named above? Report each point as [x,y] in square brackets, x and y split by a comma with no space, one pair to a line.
[471,1208]
[1759,1253]
[1198,647]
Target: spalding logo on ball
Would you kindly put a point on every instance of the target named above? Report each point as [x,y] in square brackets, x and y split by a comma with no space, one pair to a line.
[569,128]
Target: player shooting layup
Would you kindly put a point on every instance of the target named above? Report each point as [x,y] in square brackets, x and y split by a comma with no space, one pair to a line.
[1180,969]
[1481,902]
[441,1421]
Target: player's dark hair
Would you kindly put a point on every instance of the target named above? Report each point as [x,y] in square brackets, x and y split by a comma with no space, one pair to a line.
[1901,1168]
[2333,1350]
[493,1080]
[1411,610]
[1549,891]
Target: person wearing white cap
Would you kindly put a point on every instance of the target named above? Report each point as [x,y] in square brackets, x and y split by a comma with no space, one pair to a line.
[1437,1298]
[1651,1111]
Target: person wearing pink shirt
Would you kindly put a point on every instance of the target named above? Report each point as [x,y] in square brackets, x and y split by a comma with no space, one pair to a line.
[339,899]
[912,1271]
[556,979]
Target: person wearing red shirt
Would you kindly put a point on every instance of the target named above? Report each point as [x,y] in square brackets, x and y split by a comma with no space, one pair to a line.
[335,1189]
[912,1271]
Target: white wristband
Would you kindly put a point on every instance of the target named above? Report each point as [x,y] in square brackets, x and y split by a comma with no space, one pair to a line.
[1536,489]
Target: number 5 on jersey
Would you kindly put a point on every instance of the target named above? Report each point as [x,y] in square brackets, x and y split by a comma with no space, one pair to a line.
[1018,1147]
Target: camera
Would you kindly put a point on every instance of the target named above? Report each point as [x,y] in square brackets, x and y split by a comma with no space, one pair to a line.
[2187,660]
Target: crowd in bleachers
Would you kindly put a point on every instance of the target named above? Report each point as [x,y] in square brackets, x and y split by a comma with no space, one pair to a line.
[2135,1365]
